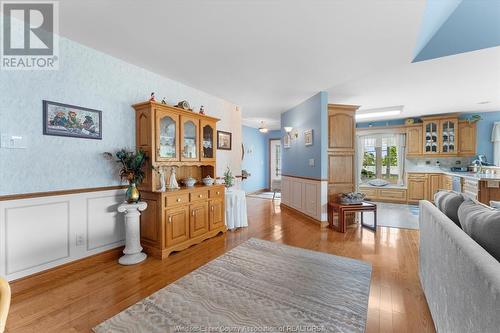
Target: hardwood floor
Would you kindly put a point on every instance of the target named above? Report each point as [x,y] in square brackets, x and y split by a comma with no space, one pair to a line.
[77,297]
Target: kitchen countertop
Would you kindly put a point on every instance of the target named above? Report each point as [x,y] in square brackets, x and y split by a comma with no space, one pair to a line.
[466,175]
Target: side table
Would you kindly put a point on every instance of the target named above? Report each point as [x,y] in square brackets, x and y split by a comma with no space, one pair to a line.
[133,250]
[335,207]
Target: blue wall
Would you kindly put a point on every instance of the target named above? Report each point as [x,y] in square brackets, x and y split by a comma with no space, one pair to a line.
[95,80]
[256,162]
[484,128]
[457,26]
[310,114]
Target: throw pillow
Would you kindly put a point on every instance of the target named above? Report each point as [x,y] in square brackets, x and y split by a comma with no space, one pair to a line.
[482,224]
[448,202]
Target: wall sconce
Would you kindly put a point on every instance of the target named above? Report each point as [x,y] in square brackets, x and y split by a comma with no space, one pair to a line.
[292,133]
[288,129]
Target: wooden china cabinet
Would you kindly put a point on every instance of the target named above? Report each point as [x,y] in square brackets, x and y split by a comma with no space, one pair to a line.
[184,140]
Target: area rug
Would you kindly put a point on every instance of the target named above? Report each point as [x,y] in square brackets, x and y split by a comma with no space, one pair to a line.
[395,216]
[265,195]
[259,286]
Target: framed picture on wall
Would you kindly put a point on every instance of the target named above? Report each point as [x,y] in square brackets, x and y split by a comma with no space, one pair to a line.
[70,120]
[286,141]
[224,140]
[308,137]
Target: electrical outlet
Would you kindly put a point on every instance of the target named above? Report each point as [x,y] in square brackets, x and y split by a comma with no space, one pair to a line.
[311,162]
[80,240]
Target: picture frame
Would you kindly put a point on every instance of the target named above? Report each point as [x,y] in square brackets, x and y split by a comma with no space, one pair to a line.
[224,140]
[71,121]
[286,141]
[308,137]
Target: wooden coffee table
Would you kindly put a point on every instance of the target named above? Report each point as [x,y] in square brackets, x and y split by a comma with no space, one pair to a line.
[341,210]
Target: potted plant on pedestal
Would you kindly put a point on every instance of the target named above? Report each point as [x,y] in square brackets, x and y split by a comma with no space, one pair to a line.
[132,163]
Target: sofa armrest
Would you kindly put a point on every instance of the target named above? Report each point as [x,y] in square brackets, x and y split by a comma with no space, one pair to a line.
[461,281]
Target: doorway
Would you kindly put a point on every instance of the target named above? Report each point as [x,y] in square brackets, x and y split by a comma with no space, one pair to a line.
[275,165]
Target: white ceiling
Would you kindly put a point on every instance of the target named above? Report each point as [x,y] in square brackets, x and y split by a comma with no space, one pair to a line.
[268,56]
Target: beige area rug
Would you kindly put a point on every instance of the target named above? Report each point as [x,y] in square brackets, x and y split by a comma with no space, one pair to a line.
[259,286]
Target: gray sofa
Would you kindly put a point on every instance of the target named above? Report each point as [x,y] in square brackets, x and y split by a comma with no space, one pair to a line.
[461,281]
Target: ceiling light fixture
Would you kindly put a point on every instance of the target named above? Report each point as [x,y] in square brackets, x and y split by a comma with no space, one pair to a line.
[288,129]
[262,128]
[484,102]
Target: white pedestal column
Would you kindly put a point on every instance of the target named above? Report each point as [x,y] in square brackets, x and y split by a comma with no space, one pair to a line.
[133,250]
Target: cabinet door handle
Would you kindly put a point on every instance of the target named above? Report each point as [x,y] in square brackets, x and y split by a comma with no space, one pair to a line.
[200,196]
[178,199]
[212,208]
[218,192]
[192,212]
[170,219]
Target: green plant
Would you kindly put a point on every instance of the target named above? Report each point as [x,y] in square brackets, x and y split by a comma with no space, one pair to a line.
[132,163]
[228,177]
[474,119]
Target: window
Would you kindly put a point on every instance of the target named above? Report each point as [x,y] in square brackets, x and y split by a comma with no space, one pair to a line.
[380,158]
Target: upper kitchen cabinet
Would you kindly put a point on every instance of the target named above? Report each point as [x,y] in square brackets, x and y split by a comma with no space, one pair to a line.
[467,140]
[414,140]
[431,137]
[448,136]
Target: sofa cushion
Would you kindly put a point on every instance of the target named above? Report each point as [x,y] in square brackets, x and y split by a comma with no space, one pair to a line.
[448,202]
[482,224]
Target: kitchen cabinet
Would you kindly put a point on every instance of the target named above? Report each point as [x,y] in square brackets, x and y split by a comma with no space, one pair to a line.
[341,149]
[431,137]
[467,141]
[434,185]
[447,182]
[448,132]
[414,140]
[417,187]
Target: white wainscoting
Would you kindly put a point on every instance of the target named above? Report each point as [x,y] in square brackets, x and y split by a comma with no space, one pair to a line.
[306,195]
[40,233]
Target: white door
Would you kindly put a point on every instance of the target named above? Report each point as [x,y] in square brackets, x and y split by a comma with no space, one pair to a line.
[274,163]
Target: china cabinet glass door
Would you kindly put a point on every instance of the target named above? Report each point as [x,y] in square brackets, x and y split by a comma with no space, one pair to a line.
[448,136]
[166,140]
[431,137]
[207,146]
[189,144]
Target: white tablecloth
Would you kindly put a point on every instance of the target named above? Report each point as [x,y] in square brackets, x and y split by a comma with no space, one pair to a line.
[236,209]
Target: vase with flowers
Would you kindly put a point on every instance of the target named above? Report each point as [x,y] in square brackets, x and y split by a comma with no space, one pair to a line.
[132,164]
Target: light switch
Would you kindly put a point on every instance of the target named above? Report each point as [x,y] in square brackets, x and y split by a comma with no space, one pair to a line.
[9,141]
[311,162]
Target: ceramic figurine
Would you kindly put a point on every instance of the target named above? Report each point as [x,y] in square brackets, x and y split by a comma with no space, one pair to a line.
[202,111]
[163,101]
[162,180]
[172,182]
[152,98]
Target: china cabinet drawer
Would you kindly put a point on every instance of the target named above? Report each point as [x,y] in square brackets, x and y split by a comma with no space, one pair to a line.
[176,199]
[199,195]
[216,193]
